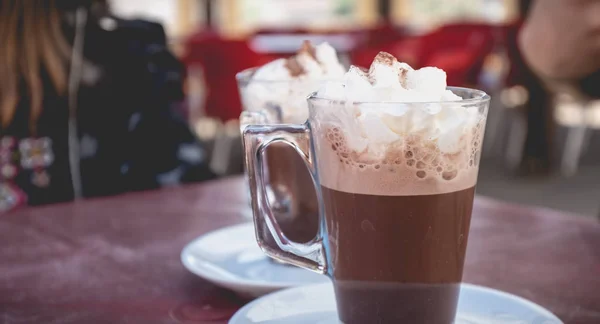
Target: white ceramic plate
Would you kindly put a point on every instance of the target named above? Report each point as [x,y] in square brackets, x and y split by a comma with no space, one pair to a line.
[231,258]
[316,304]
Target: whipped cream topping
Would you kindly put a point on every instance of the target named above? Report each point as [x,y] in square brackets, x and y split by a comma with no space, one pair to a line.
[284,84]
[394,101]
[390,80]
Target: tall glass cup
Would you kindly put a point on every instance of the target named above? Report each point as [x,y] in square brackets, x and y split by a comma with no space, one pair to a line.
[395,185]
[289,187]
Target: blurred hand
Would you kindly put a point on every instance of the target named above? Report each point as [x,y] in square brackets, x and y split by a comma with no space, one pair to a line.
[561,38]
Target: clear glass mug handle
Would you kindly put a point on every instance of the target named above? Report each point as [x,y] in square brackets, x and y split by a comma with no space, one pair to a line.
[256,139]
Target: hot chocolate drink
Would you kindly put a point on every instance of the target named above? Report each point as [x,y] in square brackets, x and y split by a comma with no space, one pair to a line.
[398,228]
[398,188]
[397,156]
[408,264]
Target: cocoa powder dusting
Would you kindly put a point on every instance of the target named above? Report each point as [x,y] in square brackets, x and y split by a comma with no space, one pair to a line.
[294,67]
[385,59]
[292,63]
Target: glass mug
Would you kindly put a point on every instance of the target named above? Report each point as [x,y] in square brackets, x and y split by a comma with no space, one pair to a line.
[289,187]
[394,214]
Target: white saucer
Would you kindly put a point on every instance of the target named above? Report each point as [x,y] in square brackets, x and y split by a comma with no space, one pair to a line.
[316,304]
[231,258]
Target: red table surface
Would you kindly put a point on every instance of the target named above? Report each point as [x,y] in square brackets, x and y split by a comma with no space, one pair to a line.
[116,259]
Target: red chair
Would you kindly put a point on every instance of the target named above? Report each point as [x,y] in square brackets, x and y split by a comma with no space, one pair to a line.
[459,49]
[385,33]
[220,60]
[405,50]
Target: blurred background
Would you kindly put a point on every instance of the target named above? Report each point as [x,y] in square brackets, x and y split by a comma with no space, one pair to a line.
[541,143]
[541,147]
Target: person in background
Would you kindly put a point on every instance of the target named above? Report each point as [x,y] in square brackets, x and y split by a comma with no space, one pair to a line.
[560,41]
[89,105]
[559,46]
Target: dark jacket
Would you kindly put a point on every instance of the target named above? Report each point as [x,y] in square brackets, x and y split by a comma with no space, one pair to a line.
[130,129]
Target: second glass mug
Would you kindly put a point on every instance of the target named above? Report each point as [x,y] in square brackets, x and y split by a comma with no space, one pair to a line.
[290,190]
[394,214]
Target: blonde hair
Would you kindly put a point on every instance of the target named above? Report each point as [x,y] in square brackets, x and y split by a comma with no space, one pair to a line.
[33,42]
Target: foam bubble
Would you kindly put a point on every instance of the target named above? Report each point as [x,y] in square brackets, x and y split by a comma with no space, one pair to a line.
[415,166]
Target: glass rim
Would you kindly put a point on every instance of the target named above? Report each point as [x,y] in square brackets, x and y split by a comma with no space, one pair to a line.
[479,97]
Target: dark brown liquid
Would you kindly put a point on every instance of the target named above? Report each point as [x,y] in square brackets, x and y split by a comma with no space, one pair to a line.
[295,204]
[397,259]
